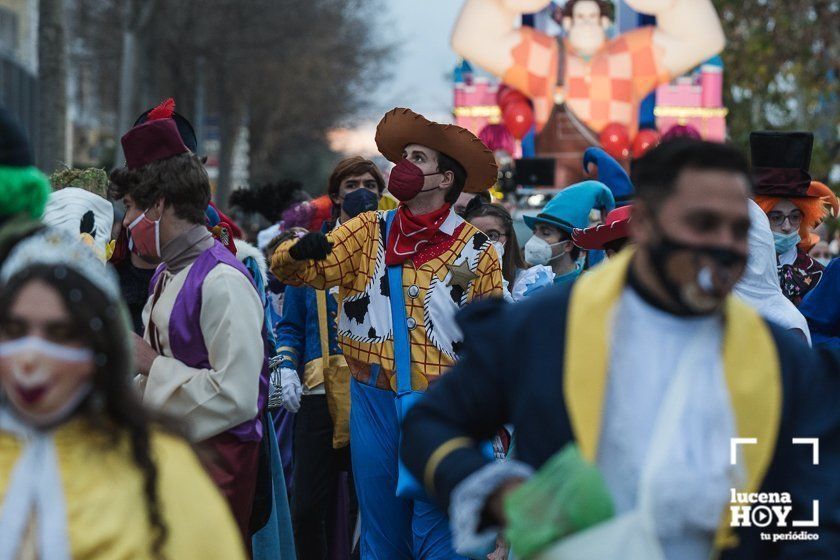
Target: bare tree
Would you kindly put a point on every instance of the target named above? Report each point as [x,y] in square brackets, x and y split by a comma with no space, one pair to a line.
[52,85]
[137,17]
[782,63]
[289,70]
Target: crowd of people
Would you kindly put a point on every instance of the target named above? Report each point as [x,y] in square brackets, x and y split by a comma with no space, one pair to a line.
[389,372]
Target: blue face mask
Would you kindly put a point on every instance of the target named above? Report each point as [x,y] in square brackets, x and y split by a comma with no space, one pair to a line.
[358,201]
[784,241]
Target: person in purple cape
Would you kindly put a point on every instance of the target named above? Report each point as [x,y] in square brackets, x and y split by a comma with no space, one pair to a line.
[202,358]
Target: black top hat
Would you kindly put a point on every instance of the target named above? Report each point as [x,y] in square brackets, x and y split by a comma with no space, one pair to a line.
[167,110]
[14,146]
[780,162]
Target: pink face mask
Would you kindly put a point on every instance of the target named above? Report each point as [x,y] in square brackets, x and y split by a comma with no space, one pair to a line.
[144,236]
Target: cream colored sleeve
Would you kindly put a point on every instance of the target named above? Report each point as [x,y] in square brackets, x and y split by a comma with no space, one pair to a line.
[211,401]
[139,379]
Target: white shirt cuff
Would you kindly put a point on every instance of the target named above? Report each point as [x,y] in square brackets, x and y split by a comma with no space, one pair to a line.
[469,499]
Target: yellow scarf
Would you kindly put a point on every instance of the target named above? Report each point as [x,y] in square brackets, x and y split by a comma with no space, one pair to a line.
[750,362]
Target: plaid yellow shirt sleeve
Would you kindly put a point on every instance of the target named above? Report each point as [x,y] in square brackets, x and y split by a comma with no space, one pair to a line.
[489,283]
[342,264]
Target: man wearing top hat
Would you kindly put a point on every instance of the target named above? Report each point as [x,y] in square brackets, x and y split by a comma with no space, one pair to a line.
[397,351]
[794,203]
[202,359]
[135,270]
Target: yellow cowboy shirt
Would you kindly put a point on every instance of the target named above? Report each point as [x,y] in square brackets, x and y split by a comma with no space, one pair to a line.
[433,291]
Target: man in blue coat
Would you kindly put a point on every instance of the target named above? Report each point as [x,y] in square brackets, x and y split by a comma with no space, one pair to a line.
[596,363]
[821,307]
[315,380]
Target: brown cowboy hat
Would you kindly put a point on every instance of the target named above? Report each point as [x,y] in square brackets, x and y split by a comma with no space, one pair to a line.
[401,127]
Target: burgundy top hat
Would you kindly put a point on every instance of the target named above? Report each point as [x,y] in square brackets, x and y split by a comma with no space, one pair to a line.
[156,139]
[780,162]
[185,129]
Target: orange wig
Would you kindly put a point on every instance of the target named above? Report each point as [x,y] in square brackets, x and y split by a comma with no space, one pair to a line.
[813,211]
[826,195]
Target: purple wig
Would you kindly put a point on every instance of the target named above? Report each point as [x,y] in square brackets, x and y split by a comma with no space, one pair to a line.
[297,215]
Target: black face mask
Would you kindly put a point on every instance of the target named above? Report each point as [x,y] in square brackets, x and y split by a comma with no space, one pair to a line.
[358,201]
[706,268]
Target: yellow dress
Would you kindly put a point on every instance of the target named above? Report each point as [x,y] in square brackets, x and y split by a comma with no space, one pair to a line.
[106,505]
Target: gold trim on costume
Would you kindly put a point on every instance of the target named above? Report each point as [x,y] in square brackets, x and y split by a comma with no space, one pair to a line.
[439,454]
[288,349]
[314,371]
[753,377]
[323,329]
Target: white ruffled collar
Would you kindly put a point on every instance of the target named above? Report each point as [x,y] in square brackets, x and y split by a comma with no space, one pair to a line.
[35,487]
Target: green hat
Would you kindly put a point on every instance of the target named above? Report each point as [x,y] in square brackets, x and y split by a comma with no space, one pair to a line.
[23,189]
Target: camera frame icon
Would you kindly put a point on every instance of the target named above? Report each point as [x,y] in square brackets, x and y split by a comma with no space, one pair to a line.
[735,442]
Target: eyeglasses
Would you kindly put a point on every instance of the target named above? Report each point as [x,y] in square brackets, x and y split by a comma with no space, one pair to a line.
[777,218]
[495,235]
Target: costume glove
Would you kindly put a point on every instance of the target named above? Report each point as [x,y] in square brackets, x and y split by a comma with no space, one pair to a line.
[290,389]
[314,245]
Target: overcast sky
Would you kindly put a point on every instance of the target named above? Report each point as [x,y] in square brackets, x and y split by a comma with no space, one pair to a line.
[422,64]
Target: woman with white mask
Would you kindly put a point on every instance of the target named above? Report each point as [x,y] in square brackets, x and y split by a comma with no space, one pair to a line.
[551,245]
[84,471]
[495,222]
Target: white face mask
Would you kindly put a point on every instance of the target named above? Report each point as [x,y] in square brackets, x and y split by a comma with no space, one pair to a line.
[53,355]
[538,251]
[500,249]
[46,348]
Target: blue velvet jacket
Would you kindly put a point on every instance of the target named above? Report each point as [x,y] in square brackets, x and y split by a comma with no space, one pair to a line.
[514,369]
[821,307]
[304,331]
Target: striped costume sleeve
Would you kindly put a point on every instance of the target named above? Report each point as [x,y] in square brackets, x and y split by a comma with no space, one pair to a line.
[489,271]
[340,267]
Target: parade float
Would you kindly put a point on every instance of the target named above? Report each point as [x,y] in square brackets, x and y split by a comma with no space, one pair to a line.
[587,73]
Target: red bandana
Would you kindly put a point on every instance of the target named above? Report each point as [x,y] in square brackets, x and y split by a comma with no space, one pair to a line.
[410,233]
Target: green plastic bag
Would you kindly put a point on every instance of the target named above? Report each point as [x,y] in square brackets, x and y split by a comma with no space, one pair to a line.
[566,495]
